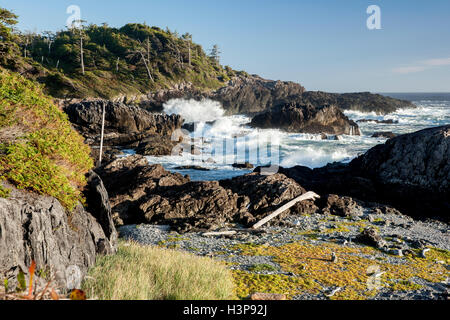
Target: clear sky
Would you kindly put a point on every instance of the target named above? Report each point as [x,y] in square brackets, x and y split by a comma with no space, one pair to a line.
[322,44]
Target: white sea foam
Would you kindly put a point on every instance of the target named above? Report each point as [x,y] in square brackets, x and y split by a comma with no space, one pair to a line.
[224,140]
[194,110]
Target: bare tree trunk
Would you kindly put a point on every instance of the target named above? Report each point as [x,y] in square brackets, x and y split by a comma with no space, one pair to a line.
[189,43]
[101,136]
[117,64]
[81,53]
[146,66]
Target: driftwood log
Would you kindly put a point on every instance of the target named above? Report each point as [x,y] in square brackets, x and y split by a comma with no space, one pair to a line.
[307,196]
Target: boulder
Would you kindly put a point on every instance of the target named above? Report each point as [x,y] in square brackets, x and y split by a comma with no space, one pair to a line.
[156,145]
[253,94]
[342,206]
[384,134]
[34,227]
[120,118]
[294,117]
[245,165]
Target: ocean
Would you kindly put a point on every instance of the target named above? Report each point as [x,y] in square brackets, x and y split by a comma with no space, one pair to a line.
[220,141]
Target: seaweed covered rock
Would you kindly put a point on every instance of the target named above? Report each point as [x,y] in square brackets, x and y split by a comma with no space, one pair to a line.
[295,117]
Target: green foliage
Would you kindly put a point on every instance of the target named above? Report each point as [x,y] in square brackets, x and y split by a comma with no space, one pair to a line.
[46,155]
[262,267]
[116,61]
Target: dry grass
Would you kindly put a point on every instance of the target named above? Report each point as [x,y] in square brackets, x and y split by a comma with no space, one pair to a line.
[149,273]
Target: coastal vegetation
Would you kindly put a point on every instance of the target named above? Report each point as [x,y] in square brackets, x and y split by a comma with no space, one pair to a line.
[139,272]
[39,150]
[107,62]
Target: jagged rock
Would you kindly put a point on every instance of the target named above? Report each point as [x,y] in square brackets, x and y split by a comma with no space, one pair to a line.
[34,227]
[296,117]
[384,134]
[264,194]
[156,146]
[192,206]
[120,118]
[98,204]
[125,125]
[342,206]
[150,194]
[128,179]
[253,94]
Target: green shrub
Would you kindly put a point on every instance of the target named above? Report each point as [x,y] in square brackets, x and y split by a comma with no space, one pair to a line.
[46,155]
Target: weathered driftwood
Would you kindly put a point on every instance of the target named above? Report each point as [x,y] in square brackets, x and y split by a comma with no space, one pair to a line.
[307,196]
[219,233]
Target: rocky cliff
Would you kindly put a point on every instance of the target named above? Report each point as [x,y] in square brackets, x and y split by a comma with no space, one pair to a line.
[294,117]
[38,228]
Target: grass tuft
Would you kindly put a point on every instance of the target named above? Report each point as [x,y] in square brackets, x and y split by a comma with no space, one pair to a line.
[139,272]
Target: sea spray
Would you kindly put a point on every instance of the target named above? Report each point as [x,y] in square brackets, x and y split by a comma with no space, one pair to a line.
[195,111]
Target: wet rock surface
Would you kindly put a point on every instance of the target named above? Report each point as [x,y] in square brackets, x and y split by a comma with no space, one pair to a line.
[410,172]
[295,117]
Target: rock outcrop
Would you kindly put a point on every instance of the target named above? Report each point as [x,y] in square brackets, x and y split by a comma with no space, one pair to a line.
[38,228]
[410,172]
[250,95]
[294,117]
[359,101]
[125,125]
[150,194]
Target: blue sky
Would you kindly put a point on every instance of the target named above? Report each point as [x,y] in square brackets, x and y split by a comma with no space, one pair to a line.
[322,44]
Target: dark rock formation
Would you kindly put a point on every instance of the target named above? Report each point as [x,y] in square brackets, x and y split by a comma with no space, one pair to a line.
[243,165]
[98,204]
[34,227]
[410,172]
[150,194]
[136,178]
[390,121]
[361,101]
[156,146]
[296,117]
[371,237]
[384,134]
[126,126]
[253,94]
[264,194]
